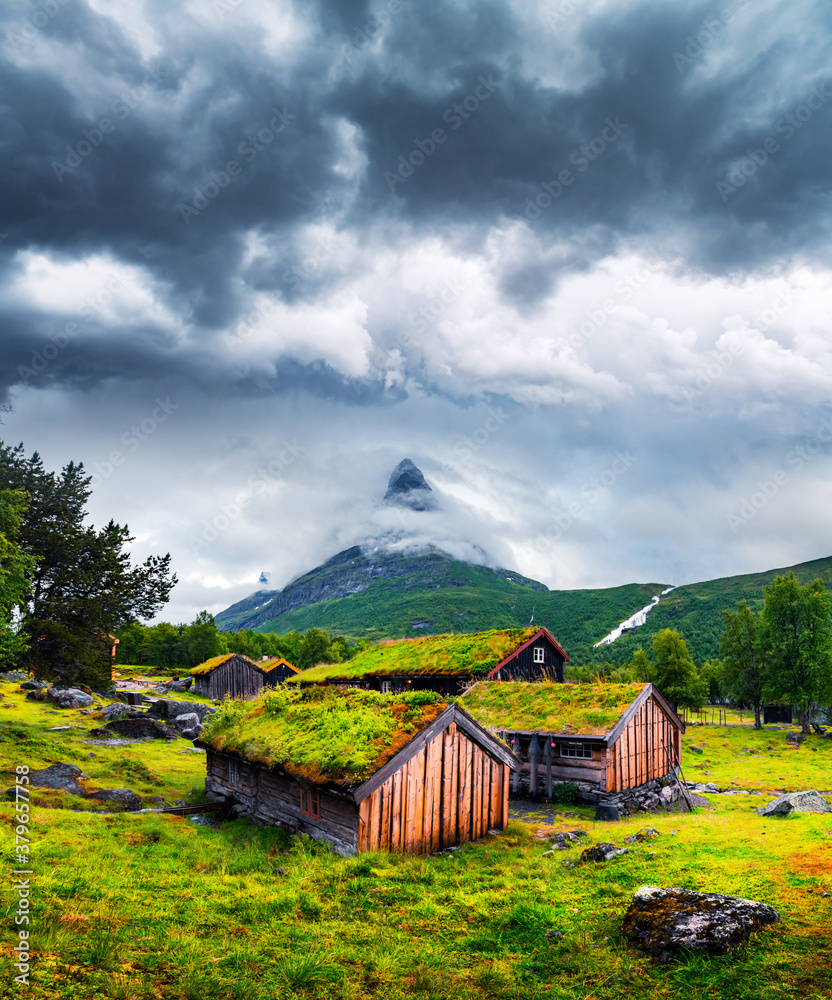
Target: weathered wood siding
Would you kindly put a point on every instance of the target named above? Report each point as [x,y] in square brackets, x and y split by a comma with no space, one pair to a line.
[523,668]
[277,675]
[236,678]
[648,748]
[274,798]
[450,792]
[551,766]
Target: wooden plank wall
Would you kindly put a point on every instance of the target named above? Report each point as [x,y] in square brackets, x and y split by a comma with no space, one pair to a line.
[644,750]
[450,792]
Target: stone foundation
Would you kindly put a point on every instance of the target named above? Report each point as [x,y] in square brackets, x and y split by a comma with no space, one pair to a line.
[660,793]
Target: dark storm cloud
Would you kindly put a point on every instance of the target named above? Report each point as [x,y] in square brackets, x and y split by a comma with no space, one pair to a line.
[643,140]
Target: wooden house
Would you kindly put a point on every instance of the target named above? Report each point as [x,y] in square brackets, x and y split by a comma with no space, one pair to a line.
[229,676]
[277,671]
[447,664]
[364,772]
[608,739]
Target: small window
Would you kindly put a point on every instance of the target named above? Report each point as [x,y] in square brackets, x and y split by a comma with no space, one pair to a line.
[234,772]
[310,802]
[539,655]
[576,750]
[386,687]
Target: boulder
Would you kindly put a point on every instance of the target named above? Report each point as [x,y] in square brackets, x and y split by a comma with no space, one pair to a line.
[601,852]
[63,777]
[36,695]
[122,797]
[800,802]
[184,722]
[641,835]
[118,710]
[140,729]
[167,708]
[34,685]
[14,675]
[662,921]
[180,685]
[70,697]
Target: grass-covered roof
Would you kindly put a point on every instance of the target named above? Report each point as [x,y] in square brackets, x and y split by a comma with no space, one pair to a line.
[475,654]
[212,664]
[322,734]
[580,709]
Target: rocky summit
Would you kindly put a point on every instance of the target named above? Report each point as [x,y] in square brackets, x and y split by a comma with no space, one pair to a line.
[408,487]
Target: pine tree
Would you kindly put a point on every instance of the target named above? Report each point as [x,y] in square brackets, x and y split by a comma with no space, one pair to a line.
[83,586]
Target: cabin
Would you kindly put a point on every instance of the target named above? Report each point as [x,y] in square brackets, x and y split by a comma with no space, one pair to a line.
[447,664]
[361,771]
[277,671]
[618,743]
[229,676]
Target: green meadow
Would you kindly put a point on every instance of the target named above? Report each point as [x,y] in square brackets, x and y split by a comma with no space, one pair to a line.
[154,906]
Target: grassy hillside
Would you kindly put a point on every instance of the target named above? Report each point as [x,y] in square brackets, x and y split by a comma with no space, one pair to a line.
[695,610]
[146,906]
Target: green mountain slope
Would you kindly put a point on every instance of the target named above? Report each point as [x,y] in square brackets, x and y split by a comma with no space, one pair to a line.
[695,610]
[391,595]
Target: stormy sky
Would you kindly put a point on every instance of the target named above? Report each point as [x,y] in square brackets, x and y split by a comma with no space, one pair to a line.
[572,258]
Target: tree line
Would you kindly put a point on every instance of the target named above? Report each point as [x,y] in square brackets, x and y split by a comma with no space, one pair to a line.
[185,646]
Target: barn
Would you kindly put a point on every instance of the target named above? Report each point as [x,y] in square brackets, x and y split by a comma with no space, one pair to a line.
[360,770]
[277,671]
[231,675]
[616,743]
[447,664]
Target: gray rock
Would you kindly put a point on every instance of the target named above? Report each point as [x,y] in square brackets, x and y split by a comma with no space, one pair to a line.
[641,835]
[14,675]
[795,802]
[36,695]
[138,729]
[606,812]
[188,721]
[122,797]
[167,708]
[63,777]
[601,852]
[118,710]
[662,921]
[694,748]
[34,685]
[181,685]
[70,697]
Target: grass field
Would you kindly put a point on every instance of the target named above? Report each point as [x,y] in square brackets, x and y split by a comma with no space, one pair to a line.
[152,906]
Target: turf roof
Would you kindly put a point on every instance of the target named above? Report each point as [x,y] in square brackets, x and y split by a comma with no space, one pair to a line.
[474,653]
[565,709]
[323,735]
[212,664]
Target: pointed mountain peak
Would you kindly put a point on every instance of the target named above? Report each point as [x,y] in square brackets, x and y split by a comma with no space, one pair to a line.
[408,487]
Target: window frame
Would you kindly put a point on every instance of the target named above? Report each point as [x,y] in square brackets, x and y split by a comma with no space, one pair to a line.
[310,801]
[538,650]
[574,750]
[386,687]
[234,772]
